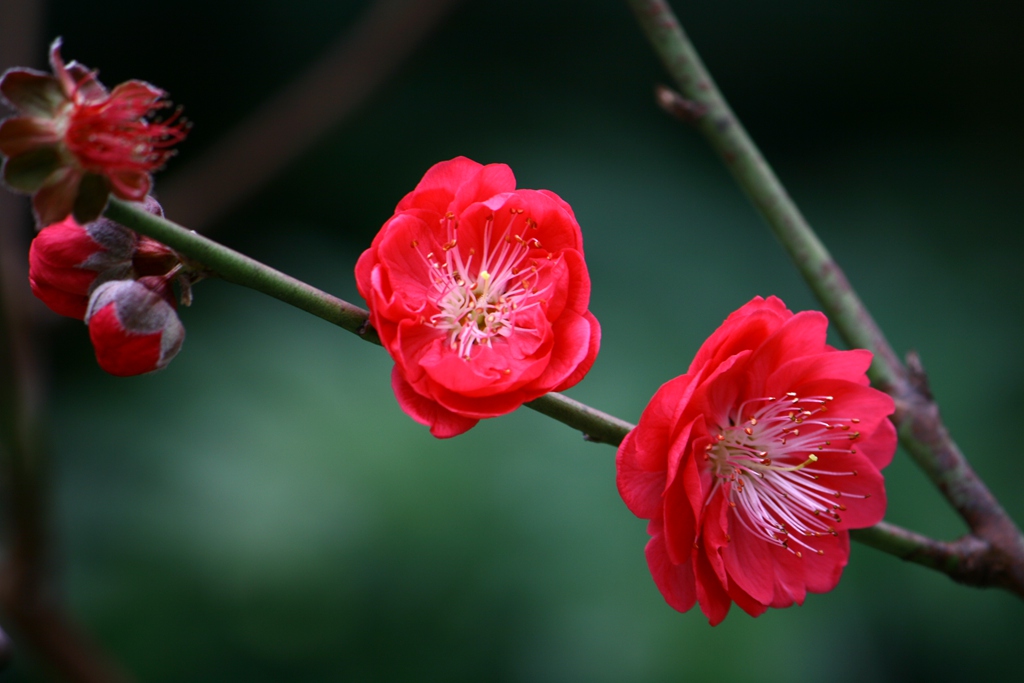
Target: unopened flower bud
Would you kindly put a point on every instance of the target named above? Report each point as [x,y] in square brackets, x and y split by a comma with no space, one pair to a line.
[67,260]
[133,325]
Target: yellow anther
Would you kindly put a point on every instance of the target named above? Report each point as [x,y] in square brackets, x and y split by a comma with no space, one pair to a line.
[810,460]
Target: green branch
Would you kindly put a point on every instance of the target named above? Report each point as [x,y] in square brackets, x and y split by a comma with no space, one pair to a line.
[596,426]
[243,270]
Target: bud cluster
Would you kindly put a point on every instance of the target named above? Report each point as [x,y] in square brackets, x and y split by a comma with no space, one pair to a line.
[120,283]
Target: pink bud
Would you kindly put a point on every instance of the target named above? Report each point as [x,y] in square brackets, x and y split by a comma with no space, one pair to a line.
[133,326]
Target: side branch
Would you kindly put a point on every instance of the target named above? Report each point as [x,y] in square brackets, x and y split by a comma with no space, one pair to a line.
[243,270]
[917,416]
[596,426]
[968,560]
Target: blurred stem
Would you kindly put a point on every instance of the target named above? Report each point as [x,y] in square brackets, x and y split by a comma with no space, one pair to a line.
[917,416]
[38,618]
[595,425]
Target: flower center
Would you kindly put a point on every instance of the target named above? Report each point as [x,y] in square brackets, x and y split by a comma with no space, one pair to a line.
[480,296]
[767,461]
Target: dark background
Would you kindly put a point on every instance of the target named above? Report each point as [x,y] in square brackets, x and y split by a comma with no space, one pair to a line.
[263,511]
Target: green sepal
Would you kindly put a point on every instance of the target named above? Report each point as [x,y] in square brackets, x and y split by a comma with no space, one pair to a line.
[20,134]
[33,93]
[93,193]
[55,200]
[29,171]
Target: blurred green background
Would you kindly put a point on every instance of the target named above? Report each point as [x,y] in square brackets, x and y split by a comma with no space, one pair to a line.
[263,511]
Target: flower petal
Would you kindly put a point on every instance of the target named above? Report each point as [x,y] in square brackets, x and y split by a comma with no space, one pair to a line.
[641,490]
[683,501]
[55,200]
[93,192]
[711,594]
[60,301]
[748,561]
[443,423]
[675,581]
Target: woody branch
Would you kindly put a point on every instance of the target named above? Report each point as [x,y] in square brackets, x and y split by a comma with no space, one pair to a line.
[993,554]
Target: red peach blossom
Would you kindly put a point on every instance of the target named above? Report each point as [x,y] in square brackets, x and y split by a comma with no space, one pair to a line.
[480,293]
[74,142]
[753,465]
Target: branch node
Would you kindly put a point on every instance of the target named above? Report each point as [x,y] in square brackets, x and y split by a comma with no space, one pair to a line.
[687,111]
[917,376]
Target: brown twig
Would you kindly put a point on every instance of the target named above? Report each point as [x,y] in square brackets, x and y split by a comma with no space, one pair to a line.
[917,418]
[37,618]
[36,615]
[55,640]
[968,560]
[250,155]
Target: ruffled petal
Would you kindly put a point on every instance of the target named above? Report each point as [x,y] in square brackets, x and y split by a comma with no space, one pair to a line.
[711,594]
[675,581]
[640,489]
[443,423]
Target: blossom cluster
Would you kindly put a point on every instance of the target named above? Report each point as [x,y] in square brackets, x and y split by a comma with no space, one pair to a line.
[72,144]
[751,468]
[119,283]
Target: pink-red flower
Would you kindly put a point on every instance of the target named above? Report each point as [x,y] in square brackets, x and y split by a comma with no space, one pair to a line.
[133,325]
[753,465]
[480,293]
[74,142]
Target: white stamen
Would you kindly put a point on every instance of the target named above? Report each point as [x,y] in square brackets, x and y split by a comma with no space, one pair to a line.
[479,302]
[767,460]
